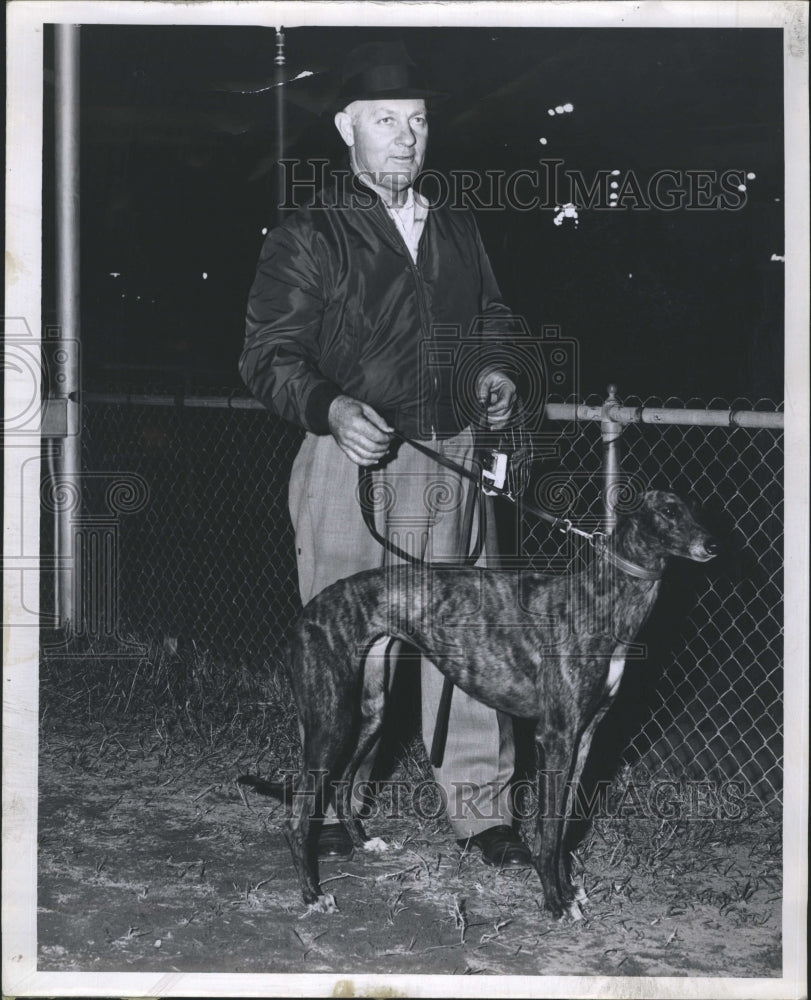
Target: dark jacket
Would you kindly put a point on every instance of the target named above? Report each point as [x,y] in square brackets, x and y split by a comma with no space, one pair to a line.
[338,307]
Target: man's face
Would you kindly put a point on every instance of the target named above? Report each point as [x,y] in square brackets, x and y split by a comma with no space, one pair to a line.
[387,140]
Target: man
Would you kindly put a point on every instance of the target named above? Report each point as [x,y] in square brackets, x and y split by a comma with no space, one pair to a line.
[347,295]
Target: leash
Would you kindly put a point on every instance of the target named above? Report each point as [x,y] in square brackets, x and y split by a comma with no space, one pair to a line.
[364,478]
[366,499]
[597,539]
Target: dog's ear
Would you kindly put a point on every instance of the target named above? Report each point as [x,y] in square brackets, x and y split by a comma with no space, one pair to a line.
[694,504]
[646,497]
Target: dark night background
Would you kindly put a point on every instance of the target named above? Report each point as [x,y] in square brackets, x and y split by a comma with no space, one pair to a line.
[178,179]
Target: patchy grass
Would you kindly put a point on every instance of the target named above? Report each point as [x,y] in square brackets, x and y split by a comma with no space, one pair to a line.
[186,695]
[151,859]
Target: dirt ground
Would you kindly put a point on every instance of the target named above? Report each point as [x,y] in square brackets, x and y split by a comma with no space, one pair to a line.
[150,860]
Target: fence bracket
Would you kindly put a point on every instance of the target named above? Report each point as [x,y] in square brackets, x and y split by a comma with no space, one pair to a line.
[611,432]
[61,417]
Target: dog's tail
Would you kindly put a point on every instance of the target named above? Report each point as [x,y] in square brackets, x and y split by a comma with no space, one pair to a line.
[282,790]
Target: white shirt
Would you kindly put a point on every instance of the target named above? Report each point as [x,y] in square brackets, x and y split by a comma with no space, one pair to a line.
[410,220]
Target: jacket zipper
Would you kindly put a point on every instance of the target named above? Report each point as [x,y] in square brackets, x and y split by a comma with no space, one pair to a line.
[419,286]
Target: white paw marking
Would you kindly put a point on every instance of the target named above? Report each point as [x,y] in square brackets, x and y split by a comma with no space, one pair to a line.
[376,845]
[580,895]
[324,904]
[573,911]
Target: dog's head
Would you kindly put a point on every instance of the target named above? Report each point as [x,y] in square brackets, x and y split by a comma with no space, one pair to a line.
[665,521]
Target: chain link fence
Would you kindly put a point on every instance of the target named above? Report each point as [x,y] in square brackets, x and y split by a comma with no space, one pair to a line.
[707,698]
[207,558]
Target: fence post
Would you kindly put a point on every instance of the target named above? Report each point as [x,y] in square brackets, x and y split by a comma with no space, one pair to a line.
[610,432]
[67,377]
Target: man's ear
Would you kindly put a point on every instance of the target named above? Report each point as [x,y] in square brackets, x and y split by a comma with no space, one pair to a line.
[343,122]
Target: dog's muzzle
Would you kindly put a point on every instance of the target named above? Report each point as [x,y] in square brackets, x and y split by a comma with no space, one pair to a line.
[704,550]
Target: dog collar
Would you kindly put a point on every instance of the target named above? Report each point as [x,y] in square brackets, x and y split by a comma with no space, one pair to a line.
[632,569]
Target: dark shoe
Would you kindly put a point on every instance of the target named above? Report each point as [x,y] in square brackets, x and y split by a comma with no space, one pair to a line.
[334,843]
[500,846]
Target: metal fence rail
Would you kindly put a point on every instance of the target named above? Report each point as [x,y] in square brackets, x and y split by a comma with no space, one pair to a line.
[207,556]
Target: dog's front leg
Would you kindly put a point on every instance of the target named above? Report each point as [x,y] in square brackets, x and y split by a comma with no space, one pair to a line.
[581,756]
[556,750]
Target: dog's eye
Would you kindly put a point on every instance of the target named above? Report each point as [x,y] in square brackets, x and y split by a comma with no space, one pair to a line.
[670,510]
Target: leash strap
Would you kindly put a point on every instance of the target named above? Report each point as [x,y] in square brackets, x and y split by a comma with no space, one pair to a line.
[564,524]
[443,714]
[367,509]
[366,500]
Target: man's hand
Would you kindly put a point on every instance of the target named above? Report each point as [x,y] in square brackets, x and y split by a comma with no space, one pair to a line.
[496,391]
[362,434]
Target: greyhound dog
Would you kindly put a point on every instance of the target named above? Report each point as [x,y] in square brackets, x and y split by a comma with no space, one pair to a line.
[539,646]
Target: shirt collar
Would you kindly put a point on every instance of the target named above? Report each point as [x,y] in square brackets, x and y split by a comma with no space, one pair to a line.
[407,206]
[415,203]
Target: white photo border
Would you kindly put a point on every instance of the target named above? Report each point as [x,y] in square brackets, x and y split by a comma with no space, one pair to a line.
[21,528]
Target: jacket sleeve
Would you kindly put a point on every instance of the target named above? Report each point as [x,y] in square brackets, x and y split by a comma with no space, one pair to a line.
[279,361]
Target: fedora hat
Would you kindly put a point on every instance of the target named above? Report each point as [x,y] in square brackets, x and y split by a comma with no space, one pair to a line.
[379,70]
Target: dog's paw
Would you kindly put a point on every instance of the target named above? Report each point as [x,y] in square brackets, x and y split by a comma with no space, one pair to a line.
[580,895]
[376,845]
[324,904]
[568,912]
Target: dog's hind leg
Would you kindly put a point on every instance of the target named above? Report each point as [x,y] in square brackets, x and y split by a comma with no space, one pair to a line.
[329,722]
[377,669]
[314,791]
[296,828]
